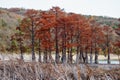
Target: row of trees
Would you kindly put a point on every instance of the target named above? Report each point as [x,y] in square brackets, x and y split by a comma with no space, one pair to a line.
[65,34]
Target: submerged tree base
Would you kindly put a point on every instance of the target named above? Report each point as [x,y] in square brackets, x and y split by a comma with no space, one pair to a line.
[20,70]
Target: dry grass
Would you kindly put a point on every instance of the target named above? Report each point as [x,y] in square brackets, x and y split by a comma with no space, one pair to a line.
[20,70]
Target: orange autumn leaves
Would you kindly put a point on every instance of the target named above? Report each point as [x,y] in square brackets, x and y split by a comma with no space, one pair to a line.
[58,30]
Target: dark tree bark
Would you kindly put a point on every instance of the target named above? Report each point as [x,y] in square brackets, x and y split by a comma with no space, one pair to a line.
[86,56]
[21,51]
[39,51]
[71,56]
[91,54]
[20,44]
[96,53]
[45,58]
[108,38]
[83,57]
[68,60]
[96,57]
[57,56]
[77,55]
[108,45]
[78,47]
[81,54]
[108,56]
[50,56]
[32,41]
[64,45]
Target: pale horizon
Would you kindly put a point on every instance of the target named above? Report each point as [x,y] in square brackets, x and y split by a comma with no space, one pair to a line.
[108,8]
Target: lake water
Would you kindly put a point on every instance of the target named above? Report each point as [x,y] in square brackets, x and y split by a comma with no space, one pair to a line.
[105,61]
[27,57]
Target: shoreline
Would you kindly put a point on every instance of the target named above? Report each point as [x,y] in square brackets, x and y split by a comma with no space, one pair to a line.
[27,57]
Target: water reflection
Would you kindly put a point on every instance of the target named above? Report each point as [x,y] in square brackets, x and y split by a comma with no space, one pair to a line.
[105,62]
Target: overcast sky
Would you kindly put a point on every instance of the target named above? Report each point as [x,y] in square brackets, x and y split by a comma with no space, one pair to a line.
[109,8]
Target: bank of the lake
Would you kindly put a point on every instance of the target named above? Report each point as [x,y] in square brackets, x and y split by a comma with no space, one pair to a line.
[27,57]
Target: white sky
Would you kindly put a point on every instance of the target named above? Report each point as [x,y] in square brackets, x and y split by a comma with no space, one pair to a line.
[109,8]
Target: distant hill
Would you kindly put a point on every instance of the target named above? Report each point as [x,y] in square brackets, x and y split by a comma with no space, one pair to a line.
[19,11]
[9,20]
[103,20]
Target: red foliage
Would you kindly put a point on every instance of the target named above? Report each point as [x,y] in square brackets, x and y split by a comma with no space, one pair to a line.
[117,44]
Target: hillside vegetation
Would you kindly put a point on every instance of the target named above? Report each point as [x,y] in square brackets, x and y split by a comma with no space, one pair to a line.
[8,23]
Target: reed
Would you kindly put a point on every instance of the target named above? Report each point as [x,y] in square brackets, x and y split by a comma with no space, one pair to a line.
[20,70]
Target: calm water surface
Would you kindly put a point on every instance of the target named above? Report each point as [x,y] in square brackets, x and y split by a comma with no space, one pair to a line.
[105,61]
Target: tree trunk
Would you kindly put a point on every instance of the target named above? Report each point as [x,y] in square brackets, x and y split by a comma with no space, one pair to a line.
[57,56]
[81,54]
[96,57]
[71,56]
[91,56]
[22,58]
[108,56]
[64,55]
[86,56]
[83,57]
[32,41]
[39,52]
[96,53]
[45,56]
[68,56]
[62,50]
[50,56]
[77,55]
[63,59]
[21,51]
[39,56]
[64,45]
[86,53]
[108,45]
